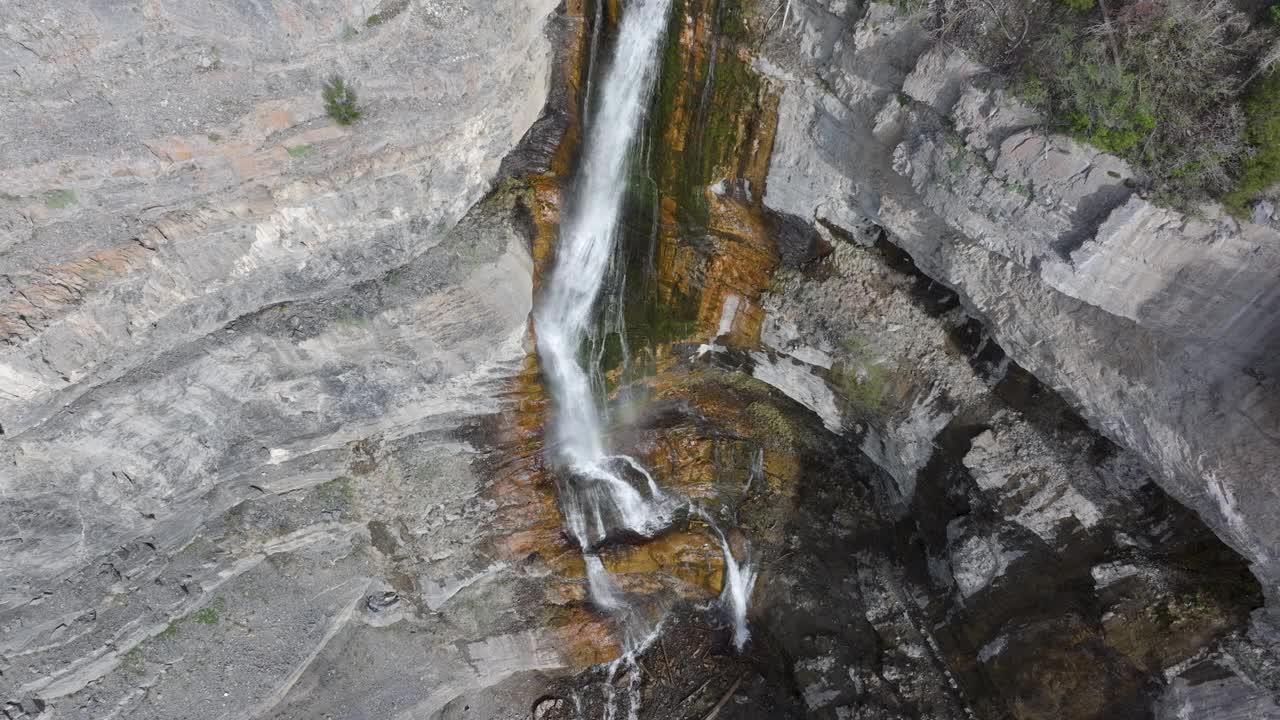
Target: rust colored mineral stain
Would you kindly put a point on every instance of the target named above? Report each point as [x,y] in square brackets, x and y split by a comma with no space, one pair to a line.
[744,254]
[687,562]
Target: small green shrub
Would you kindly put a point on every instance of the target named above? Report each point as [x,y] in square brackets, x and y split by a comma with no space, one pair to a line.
[905,6]
[133,658]
[340,101]
[862,383]
[1032,90]
[373,20]
[337,493]
[1157,82]
[1109,108]
[298,150]
[1261,169]
[1273,14]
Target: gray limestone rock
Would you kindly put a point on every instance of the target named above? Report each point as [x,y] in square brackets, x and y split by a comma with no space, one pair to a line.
[246,353]
[1162,329]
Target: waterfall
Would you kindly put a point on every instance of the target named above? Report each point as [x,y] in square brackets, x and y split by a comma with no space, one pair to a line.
[603,494]
[598,497]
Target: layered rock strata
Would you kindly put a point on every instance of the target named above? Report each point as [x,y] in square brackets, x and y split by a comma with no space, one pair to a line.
[251,358]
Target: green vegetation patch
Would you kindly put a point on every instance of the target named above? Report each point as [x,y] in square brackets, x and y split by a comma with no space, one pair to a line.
[905,6]
[349,317]
[338,492]
[861,379]
[1156,82]
[133,658]
[340,101]
[782,430]
[1261,168]
[862,384]
[59,198]
[707,97]
[1179,611]
[1079,5]
[298,150]
[211,613]
[1158,92]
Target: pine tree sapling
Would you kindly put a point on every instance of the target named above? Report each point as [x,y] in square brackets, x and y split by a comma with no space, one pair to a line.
[340,100]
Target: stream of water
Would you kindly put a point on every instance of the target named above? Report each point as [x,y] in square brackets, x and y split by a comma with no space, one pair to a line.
[605,495]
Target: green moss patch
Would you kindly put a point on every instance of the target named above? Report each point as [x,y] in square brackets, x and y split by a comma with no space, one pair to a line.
[782,431]
[210,614]
[861,379]
[1156,83]
[59,198]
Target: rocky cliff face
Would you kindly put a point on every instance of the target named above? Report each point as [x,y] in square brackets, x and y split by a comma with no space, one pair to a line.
[999,434]
[1160,327]
[245,351]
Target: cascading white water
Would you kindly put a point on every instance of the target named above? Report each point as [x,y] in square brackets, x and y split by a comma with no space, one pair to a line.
[739,580]
[597,496]
[600,494]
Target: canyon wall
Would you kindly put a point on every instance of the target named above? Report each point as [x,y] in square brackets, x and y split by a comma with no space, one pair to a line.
[271,428]
[247,354]
[1162,329]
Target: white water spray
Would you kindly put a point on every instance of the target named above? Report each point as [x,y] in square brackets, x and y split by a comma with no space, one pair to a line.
[739,580]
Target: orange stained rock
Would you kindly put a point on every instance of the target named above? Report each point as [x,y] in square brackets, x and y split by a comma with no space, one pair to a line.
[273,119]
[735,257]
[744,255]
[317,135]
[585,638]
[260,164]
[741,269]
[684,462]
[729,408]
[692,558]
[548,188]
[546,206]
[49,291]
[760,149]
[613,12]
